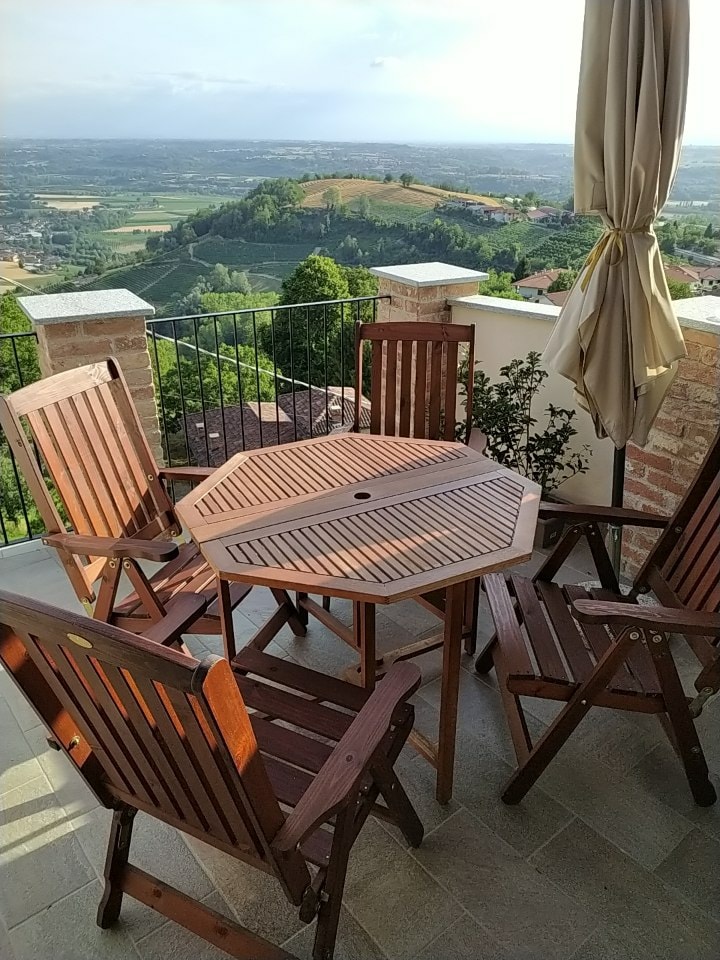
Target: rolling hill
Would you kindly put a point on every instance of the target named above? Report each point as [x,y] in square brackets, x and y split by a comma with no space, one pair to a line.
[416,195]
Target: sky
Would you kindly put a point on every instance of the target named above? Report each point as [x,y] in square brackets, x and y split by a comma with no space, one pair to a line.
[364,70]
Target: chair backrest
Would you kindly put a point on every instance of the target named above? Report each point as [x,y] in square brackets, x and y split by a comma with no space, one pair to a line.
[149,727]
[414,377]
[683,568]
[89,438]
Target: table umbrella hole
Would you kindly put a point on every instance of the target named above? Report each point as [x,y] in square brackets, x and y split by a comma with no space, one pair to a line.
[363,495]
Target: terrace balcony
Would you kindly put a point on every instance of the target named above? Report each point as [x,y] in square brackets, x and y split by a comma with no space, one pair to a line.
[606,857]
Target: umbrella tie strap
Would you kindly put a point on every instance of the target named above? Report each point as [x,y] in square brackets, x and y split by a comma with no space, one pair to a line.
[613,237]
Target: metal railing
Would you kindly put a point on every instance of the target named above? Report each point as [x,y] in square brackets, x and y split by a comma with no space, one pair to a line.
[19,519]
[243,379]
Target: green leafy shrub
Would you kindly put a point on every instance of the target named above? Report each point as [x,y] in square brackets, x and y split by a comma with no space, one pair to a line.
[504,411]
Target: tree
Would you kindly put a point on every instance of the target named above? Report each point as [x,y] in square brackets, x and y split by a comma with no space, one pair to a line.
[564,280]
[388,178]
[406,179]
[316,278]
[499,285]
[222,280]
[184,374]
[27,370]
[709,232]
[304,337]
[678,289]
[522,269]
[363,206]
[332,198]
[18,366]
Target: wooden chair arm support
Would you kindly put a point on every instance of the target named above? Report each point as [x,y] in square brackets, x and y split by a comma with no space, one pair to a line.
[477,440]
[339,779]
[618,516]
[186,474]
[180,614]
[670,619]
[115,548]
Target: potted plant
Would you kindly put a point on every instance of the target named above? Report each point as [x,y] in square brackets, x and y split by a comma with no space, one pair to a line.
[505,412]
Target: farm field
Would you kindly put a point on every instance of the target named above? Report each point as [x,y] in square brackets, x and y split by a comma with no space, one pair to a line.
[416,195]
[239,254]
[70,204]
[150,228]
[11,274]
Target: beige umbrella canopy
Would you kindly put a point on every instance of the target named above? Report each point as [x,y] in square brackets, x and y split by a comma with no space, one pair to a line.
[617,337]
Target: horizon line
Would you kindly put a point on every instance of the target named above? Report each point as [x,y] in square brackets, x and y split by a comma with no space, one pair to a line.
[398,143]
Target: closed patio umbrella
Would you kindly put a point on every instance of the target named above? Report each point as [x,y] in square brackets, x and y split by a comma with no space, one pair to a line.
[617,337]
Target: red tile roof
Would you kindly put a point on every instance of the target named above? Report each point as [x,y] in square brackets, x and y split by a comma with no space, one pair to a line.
[677,271]
[539,281]
[557,298]
[710,273]
[251,425]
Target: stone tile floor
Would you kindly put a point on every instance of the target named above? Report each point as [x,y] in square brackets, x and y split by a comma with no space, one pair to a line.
[606,859]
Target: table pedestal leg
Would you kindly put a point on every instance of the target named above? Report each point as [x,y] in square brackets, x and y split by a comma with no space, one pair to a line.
[450,686]
[364,628]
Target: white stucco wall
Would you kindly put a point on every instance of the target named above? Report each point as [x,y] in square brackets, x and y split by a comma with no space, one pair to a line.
[510,329]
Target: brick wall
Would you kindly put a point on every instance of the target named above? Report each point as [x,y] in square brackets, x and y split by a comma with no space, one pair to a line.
[658,475]
[412,303]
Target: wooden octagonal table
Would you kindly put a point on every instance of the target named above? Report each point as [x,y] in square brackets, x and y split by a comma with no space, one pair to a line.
[372,519]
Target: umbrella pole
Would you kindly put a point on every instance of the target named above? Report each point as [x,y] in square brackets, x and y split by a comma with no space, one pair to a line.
[618,490]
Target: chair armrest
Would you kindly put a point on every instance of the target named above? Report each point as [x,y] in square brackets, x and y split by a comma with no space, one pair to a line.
[180,614]
[477,440]
[618,516]
[670,619]
[115,548]
[339,778]
[186,474]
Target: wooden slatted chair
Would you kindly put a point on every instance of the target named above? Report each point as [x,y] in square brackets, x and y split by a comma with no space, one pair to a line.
[414,379]
[271,763]
[599,648]
[414,376]
[88,435]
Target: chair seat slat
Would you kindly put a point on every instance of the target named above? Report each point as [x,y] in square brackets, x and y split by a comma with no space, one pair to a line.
[539,634]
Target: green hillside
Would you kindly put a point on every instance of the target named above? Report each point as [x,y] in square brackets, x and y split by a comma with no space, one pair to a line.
[267,233]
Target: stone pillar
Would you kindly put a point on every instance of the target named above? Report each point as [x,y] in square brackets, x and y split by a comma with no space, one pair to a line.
[420,291]
[89,326]
[658,474]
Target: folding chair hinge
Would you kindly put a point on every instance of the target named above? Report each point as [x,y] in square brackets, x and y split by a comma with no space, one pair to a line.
[89,610]
[698,704]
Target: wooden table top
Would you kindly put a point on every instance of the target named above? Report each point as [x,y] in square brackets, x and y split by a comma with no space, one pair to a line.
[359,516]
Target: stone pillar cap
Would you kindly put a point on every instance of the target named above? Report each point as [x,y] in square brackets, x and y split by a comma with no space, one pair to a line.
[433,274]
[84,305]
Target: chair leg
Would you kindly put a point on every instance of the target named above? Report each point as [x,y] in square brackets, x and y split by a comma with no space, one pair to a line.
[484,662]
[398,802]
[302,612]
[329,913]
[684,734]
[569,717]
[472,601]
[513,713]
[116,859]
[326,603]
[282,598]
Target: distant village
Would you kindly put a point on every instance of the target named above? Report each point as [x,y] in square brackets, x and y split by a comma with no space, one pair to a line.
[23,245]
[510,210]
